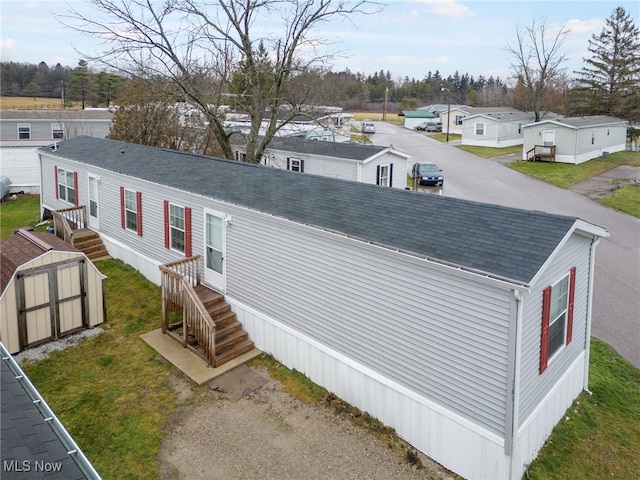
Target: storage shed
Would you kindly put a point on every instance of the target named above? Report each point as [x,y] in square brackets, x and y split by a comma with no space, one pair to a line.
[49,290]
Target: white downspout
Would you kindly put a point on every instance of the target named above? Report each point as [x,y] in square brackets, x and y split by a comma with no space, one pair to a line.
[514,468]
[587,347]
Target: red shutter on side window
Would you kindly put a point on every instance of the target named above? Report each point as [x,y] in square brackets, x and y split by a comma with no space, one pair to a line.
[55,174]
[572,294]
[75,188]
[166,225]
[544,335]
[187,232]
[139,211]
[122,212]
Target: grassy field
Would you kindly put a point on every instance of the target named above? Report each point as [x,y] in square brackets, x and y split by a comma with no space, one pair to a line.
[31,103]
[112,392]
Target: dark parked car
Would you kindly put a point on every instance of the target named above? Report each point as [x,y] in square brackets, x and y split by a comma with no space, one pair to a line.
[429,126]
[425,173]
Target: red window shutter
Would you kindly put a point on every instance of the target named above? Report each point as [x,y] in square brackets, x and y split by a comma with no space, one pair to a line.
[544,335]
[55,174]
[167,240]
[139,211]
[187,232]
[123,223]
[75,188]
[572,294]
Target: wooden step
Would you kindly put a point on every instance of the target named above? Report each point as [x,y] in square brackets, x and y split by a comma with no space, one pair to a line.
[238,349]
[223,342]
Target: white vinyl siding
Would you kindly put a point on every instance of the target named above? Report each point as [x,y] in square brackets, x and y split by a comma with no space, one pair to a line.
[449,344]
[535,386]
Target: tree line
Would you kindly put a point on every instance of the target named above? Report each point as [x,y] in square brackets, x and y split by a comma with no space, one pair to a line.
[78,84]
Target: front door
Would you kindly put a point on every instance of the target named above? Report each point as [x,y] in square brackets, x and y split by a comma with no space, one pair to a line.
[214,244]
[93,202]
[549,138]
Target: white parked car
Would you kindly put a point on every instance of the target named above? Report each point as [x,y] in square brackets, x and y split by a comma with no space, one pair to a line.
[368,127]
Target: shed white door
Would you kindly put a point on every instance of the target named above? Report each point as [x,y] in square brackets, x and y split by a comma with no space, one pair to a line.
[93,202]
[214,244]
[549,138]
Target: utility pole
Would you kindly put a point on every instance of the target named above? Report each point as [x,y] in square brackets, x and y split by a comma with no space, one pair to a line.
[448,111]
[384,111]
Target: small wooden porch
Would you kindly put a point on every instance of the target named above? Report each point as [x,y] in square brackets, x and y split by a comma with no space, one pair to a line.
[199,317]
[544,153]
[72,226]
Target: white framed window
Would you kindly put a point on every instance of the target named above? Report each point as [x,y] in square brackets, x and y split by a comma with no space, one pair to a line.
[66,185]
[130,210]
[557,317]
[24,131]
[57,131]
[176,227]
[458,120]
[295,164]
[383,176]
[479,129]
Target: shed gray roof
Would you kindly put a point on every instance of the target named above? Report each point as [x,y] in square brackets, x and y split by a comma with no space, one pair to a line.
[504,242]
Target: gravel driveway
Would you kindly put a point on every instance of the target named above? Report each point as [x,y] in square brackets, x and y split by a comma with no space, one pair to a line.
[270,435]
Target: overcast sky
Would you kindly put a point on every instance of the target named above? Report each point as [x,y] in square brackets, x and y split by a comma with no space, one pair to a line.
[409,38]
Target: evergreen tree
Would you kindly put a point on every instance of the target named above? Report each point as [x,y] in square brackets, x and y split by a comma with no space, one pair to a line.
[609,82]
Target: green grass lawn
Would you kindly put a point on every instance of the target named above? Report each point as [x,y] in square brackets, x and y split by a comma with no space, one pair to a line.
[112,392]
[490,152]
[564,175]
[24,211]
[626,199]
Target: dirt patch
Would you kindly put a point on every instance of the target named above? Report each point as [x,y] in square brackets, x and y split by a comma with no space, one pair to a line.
[603,185]
[268,434]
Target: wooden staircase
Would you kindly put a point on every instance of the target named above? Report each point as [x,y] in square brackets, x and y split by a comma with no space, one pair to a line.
[199,317]
[71,225]
[90,243]
[230,339]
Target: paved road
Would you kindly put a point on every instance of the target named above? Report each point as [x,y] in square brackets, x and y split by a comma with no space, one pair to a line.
[616,307]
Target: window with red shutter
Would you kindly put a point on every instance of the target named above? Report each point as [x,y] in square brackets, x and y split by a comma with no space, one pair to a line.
[557,317]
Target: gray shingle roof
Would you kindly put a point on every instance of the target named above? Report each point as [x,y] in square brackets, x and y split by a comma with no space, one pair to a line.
[582,122]
[500,241]
[350,151]
[30,447]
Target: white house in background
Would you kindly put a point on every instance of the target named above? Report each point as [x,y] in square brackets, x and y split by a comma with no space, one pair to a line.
[412,118]
[575,139]
[22,132]
[357,162]
[464,326]
[495,129]
[455,116]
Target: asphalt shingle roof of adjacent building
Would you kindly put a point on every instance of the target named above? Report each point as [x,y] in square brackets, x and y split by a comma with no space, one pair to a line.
[499,241]
[30,447]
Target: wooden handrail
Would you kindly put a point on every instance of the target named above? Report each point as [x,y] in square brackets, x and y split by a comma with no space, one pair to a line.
[179,296]
[542,151]
[67,220]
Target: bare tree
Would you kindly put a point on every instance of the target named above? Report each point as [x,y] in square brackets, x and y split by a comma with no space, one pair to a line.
[537,62]
[201,44]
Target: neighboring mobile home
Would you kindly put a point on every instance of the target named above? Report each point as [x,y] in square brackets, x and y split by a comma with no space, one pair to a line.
[412,118]
[373,164]
[574,139]
[456,323]
[49,289]
[498,130]
[22,132]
